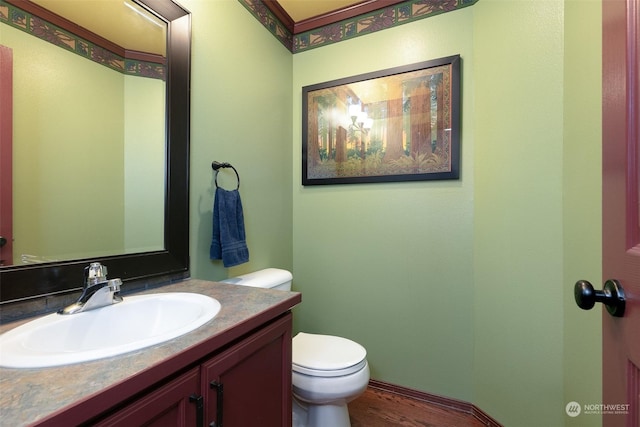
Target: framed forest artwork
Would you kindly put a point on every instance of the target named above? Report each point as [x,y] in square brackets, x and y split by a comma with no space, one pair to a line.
[399,124]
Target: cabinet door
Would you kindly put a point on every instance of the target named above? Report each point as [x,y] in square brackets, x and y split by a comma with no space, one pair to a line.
[174,404]
[249,385]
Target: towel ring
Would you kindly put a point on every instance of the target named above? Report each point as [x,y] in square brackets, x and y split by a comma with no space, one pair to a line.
[217,165]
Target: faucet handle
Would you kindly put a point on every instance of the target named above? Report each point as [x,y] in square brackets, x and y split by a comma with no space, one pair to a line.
[95,273]
[114,285]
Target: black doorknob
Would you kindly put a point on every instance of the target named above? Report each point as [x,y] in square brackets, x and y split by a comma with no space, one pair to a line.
[3,241]
[612,296]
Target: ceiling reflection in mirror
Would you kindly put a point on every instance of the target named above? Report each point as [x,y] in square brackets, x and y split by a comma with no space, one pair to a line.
[88,130]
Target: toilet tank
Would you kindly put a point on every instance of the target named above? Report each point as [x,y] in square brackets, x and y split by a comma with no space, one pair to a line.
[270,278]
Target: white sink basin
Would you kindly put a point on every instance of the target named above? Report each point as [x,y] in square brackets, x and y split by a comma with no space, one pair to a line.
[137,322]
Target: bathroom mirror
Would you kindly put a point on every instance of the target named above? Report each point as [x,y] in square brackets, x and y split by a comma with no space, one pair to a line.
[20,281]
[88,144]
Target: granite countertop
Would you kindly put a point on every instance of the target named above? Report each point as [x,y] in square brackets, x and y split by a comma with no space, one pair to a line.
[29,395]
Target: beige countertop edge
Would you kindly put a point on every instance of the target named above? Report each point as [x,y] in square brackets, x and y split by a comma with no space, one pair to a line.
[48,395]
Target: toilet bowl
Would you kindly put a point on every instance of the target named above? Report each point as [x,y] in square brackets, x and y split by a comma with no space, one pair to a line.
[328,371]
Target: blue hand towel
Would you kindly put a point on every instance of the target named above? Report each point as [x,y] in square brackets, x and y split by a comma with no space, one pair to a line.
[229,241]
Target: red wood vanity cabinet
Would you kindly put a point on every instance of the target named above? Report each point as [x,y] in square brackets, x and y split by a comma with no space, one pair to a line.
[247,384]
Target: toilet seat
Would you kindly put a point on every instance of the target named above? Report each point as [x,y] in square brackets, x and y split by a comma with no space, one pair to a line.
[326,355]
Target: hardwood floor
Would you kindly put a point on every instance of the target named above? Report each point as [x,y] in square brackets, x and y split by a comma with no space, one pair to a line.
[384,408]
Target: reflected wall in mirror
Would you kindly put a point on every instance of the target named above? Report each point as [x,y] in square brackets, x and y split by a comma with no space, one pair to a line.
[127,193]
[88,130]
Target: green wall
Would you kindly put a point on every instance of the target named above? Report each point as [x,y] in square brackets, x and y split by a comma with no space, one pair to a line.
[390,265]
[537,210]
[241,114]
[518,259]
[458,288]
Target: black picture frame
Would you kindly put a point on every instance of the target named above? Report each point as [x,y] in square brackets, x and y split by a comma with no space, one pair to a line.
[398,124]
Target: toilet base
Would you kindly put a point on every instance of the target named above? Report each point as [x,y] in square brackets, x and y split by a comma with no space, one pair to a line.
[334,415]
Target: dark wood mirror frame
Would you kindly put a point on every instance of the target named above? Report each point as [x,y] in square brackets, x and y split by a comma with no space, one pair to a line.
[20,282]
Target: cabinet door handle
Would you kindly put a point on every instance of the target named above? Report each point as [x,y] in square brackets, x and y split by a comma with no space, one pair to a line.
[199,409]
[219,398]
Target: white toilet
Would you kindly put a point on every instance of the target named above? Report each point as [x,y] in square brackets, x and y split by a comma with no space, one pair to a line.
[328,371]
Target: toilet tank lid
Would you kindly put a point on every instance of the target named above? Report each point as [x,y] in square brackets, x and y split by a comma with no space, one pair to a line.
[267,278]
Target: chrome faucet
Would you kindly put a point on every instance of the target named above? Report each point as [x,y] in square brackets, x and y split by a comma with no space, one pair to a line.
[97,292]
